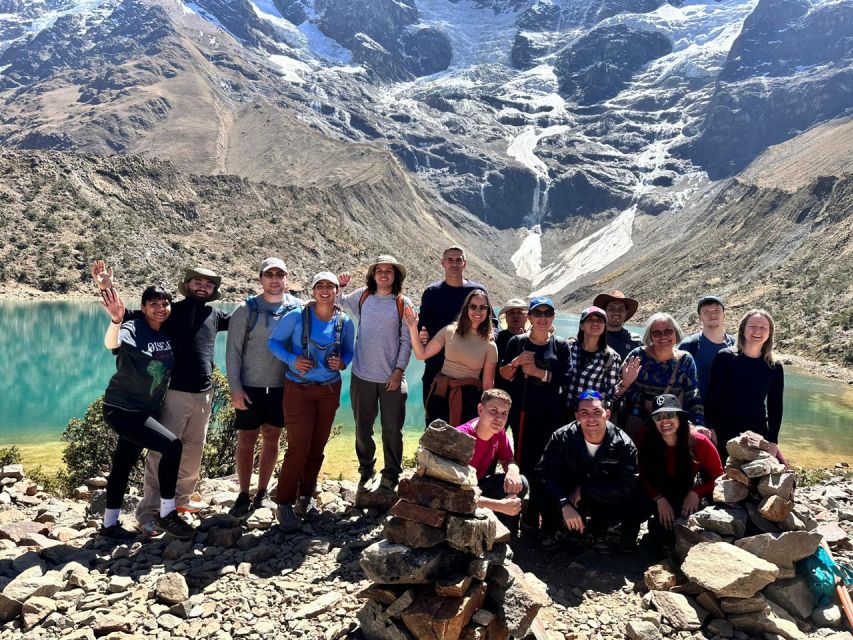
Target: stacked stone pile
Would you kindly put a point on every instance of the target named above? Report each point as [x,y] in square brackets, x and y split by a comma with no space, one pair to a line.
[735,571]
[444,570]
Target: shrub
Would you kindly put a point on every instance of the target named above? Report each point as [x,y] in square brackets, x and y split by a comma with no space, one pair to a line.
[9,455]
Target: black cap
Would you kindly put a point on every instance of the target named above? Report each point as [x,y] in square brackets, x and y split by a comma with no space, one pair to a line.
[709,300]
[666,403]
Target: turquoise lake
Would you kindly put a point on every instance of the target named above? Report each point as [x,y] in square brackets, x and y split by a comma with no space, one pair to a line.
[53,365]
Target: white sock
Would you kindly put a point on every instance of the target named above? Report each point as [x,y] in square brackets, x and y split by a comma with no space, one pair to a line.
[166,506]
[111,517]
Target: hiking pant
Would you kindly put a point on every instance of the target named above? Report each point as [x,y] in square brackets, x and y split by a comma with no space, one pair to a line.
[309,410]
[186,415]
[493,487]
[137,431]
[368,399]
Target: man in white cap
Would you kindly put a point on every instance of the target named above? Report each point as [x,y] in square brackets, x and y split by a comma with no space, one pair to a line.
[192,329]
[256,380]
[378,383]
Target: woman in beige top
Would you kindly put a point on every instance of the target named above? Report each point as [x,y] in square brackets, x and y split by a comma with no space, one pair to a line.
[470,358]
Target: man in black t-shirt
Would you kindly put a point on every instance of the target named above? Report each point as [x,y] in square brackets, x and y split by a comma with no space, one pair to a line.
[440,304]
[619,309]
[192,328]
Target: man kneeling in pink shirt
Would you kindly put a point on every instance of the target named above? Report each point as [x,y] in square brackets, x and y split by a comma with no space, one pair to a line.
[501,492]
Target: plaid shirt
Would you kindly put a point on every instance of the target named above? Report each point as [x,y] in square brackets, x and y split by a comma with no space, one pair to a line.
[601,373]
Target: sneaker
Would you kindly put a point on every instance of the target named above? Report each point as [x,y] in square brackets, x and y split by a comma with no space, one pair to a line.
[117,532]
[261,500]
[306,508]
[288,521]
[365,480]
[173,524]
[241,506]
[148,529]
[194,505]
[387,483]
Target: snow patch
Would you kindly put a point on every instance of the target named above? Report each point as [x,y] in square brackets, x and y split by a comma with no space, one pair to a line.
[589,255]
[323,46]
[522,147]
[528,257]
[291,68]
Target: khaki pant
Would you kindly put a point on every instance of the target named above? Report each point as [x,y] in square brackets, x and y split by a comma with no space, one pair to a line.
[187,416]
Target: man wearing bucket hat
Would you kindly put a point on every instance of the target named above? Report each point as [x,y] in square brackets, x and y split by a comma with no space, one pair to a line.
[192,329]
[619,309]
[378,384]
[514,315]
[256,380]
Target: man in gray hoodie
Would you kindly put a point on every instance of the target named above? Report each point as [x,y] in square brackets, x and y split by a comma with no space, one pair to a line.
[256,380]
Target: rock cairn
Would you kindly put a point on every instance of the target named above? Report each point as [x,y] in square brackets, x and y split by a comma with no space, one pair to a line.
[735,570]
[444,570]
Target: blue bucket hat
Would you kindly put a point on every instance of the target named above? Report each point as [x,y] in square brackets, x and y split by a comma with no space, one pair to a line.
[540,301]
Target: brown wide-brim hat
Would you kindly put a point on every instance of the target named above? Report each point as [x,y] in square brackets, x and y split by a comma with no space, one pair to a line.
[603,299]
[387,259]
[200,272]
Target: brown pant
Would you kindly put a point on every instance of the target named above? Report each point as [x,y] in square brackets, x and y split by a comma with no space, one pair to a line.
[309,410]
[187,416]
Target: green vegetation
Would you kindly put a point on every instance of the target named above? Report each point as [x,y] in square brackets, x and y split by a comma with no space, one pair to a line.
[810,477]
[9,455]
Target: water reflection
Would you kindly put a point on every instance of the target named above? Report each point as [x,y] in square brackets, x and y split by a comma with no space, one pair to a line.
[53,365]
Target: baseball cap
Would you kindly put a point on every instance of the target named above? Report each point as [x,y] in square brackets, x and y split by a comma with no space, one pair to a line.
[325,275]
[273,263]
[593,311]
[709,299]
[538,301]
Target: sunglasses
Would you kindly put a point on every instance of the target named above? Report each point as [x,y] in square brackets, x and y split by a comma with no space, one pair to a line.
[275,275]
[660,333]
[664,415]
[544,313]
[478,307]
[590,395]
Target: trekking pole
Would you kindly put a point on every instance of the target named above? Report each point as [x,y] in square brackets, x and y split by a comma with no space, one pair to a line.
[521,419]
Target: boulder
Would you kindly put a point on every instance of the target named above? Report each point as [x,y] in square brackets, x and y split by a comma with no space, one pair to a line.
[388,563]
[434,466]
[827,616]
[435,616]
[775,509]
[775,620]
[171,588]
[412,534]
[447,442]
[747,447]
[17,532]
[661,577]
[318,605]
[521,601]
[402,603]
[792,595]
[380,499]
[682,612]
[475,535]
[760,522]
[744,605]
[35,610]
[642,630]
[777,484]
[13,471]
[31,583]
[709,603]
[224,537]
[783,549]
[453,587]
[726,521]
[730,491]
[721,628]
[762,467]
[734,473]
[727,571]
[686,538]
[438,495]
[375,624]
[419,513]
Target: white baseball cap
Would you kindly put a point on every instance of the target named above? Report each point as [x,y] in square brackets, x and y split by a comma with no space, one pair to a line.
[325,275]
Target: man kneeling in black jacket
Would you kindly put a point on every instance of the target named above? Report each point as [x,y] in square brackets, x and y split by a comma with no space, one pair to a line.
[589,470]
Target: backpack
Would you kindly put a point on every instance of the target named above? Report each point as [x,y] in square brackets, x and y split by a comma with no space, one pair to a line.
[399,299]
[340,319]
[820,572]
[255,314]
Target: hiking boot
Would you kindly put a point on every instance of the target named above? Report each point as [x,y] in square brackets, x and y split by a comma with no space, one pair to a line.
[176,526]
[388,483]
[306,508]
[288,521]
[241,506]
[118,533]
[261,500]
[365,480]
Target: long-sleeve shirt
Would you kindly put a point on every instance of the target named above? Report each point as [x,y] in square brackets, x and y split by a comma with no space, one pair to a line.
[609,477]
[654,378]
[706,461]
[286,344]
[383,342]
[248,360]
[599,371]
[744,394]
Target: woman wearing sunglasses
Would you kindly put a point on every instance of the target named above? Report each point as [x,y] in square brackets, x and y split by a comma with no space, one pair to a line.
[470,358]
[535,366]
[663,369]
[316,342]
[671,456]
[746,385]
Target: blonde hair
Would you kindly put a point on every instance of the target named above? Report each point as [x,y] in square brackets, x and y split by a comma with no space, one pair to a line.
[767,347]
[661,317]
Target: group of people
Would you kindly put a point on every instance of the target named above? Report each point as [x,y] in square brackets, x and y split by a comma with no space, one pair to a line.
[599,429]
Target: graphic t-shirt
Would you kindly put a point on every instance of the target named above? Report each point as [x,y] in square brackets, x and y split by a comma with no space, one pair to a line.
[144,362]
[486,452]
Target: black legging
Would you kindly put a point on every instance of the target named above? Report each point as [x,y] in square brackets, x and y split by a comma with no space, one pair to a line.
[137,431]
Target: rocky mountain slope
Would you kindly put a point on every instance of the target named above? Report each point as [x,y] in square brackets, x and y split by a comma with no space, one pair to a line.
[150,220]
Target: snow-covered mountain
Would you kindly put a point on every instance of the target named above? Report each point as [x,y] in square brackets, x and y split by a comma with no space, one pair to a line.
[579,120]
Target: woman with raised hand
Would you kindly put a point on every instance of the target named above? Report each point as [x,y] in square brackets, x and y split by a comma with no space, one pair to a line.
[317,343]
[671,455]
[746,385]
[470,359]
[535,366]
[133,398]
[662,369]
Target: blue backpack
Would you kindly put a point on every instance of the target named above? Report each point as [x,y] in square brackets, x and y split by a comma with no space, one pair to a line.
[820,572]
